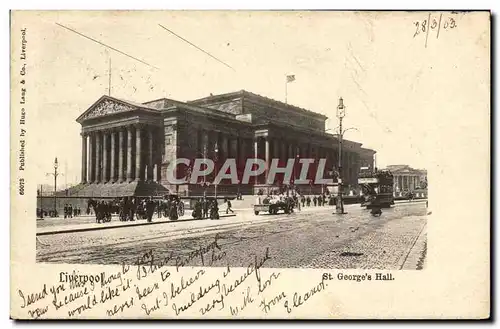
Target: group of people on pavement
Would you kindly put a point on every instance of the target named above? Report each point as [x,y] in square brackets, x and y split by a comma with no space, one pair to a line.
[317,200]
[70,211]
[301,200]
[208,208]
[132,208]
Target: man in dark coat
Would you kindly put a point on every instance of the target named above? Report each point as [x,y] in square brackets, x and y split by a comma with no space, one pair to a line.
[198,209]
[173,210]
[150,209]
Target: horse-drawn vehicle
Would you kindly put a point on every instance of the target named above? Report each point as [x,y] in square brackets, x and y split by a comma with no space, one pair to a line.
[273,205]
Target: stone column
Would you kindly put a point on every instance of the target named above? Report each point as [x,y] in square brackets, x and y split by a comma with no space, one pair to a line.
[241,153]
[150,155]
[223,147]
[138,153]
[129,153]
[120,156]
[104,177]
[204,142]
[84,158]
[256,147]
[160,149]
[98,173]
[275,149]
[283,150]
[267,158]
[112,167]
[91,159]
[233,147]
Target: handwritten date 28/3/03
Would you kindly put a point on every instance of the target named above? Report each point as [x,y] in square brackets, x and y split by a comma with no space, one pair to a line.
[434,24]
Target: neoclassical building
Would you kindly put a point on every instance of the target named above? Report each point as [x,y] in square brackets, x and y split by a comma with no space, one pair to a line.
[127,146]
[407,178]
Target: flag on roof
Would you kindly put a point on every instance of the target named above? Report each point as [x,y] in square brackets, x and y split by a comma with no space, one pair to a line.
[290,78]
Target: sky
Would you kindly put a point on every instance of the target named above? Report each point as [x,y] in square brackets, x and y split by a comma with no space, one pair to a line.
[397,87]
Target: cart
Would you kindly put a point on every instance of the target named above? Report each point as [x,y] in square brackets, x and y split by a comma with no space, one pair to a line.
[271,208]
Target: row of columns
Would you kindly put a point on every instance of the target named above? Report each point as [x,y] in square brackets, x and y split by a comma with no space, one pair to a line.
[116,156]
[284,149]
[265,148]
[406,182]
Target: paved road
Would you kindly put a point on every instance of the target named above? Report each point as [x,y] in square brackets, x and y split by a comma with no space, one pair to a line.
[315,239]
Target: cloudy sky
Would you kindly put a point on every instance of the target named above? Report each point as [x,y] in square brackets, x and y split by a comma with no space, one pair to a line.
[399,92]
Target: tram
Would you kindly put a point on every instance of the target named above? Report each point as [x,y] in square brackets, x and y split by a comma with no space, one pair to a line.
[377,187]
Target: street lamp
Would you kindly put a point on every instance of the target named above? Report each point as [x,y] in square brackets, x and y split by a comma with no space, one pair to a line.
[291,183]
[55,173]
[216,158]
[339,209]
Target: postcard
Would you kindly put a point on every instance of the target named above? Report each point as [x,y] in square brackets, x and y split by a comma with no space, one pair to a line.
[250,164]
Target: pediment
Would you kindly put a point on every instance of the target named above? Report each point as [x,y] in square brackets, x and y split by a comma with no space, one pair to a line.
[106,106]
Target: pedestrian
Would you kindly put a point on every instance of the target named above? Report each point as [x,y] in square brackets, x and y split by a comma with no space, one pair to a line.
[296,201]
[168,205]
[132,209]
[198,209]
[173,210]
[214,209]
[228,209]
[150,209]
[206,206]
[308,201]
[158,208]
[315,200]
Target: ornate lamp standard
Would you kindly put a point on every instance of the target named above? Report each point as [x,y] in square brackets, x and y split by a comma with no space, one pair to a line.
[216,158]
[55,173]
[339,209]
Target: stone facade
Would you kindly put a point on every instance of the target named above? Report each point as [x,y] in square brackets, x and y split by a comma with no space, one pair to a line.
[408,179]
[125,142]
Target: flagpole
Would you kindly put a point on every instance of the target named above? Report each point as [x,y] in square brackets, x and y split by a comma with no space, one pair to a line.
[286,89]
[109,77]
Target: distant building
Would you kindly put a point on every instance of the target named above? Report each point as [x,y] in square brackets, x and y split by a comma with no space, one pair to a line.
[407,178]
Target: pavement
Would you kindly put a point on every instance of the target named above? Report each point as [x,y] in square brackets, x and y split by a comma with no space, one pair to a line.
[87,222]
[311,238]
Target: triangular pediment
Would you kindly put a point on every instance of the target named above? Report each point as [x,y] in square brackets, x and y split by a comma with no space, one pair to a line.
[106,105]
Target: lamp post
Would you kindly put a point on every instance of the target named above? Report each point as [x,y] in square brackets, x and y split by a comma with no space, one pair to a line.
[216,158]
[339,209]
[55,173]
[291,184]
